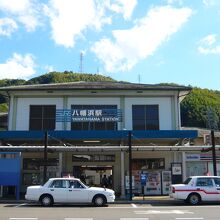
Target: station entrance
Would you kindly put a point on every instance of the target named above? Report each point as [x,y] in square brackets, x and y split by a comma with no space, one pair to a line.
[95,175]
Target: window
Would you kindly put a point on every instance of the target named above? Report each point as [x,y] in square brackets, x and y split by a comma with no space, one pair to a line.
[36,163]
[145,117]
[148,164]
[93,158]
[217,181]
[58,184]
[42,117]
[204,182]
[31,179]
[186,182]
[85,126]
[75,184]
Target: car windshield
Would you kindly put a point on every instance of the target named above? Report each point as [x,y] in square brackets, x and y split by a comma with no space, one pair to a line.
[186,182]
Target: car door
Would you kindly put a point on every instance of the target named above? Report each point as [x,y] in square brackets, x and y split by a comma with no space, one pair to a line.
[205,186]
[58,189]
[217,188]
[77,192]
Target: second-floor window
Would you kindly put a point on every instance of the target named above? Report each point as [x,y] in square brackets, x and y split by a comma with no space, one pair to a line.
[42,117]
[145,117]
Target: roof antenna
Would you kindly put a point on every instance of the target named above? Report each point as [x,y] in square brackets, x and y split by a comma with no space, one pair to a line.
[81,62]
[139,78]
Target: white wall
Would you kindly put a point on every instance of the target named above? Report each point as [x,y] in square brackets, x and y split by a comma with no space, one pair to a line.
[23,108]
[165,105]
[165,113]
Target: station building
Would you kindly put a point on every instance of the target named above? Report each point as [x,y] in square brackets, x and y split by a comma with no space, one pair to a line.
[92,129]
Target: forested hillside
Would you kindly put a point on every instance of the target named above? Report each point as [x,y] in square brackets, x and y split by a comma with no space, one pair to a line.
[194,107]
[52,77]
[201,108]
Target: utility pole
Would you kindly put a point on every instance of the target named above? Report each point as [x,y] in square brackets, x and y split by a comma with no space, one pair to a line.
[130,165]
[45,156]
[213,153]
[212,118]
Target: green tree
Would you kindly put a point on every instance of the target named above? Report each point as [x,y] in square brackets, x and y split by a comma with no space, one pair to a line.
[194,108]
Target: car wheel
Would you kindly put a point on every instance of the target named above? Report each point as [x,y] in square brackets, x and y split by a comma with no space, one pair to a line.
[99,200]
[194,199]
[46,200]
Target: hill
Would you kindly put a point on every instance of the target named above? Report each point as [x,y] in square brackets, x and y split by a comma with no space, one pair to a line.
[201,108]
[52,77]
[194,108]
[57,77]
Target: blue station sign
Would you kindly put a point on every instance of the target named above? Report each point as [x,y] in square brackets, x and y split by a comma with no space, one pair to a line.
[88,115]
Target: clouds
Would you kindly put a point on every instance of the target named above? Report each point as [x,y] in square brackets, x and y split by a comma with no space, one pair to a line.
[124,7]
[206,45]
[70,19]
[120,38]
[18,66]
[141,41]
[209,2]
[26,12]
[7,26]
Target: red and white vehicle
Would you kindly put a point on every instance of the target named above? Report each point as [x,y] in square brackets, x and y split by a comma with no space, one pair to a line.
[197,189]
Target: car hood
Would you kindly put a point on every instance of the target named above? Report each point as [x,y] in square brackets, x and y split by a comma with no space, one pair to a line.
[100,189]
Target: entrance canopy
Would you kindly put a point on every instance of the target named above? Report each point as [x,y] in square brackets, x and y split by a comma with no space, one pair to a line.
[99,138]
[103,148]
[152,134]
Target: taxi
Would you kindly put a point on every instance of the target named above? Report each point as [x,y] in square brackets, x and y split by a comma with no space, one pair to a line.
[68,190]
[197,189]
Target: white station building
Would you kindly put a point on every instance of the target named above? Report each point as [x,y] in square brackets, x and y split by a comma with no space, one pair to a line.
[92,129]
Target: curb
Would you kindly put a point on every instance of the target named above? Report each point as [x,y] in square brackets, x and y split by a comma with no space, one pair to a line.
[139,200]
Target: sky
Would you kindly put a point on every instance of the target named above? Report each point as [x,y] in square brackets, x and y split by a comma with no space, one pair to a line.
[139,41]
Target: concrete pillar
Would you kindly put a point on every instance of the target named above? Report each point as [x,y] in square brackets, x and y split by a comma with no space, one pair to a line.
[122,174]
[184,165]
[60,163]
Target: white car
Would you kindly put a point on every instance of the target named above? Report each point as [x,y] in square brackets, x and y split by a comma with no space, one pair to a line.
[197,189]
[68,190]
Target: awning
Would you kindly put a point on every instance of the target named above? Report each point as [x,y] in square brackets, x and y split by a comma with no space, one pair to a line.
[103,148]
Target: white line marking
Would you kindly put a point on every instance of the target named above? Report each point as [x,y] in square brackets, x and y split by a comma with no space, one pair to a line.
[142,212]
[134,218]
[20,205]
[128,207]
[23,218]
[78,218]
[189,218]
[133,205]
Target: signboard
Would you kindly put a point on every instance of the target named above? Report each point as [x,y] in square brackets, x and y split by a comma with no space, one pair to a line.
[143,179]
[88,115]
[177,169]
[192,157]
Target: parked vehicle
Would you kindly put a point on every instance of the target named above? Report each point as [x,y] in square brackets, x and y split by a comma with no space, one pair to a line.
[197,189]
[68,190]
